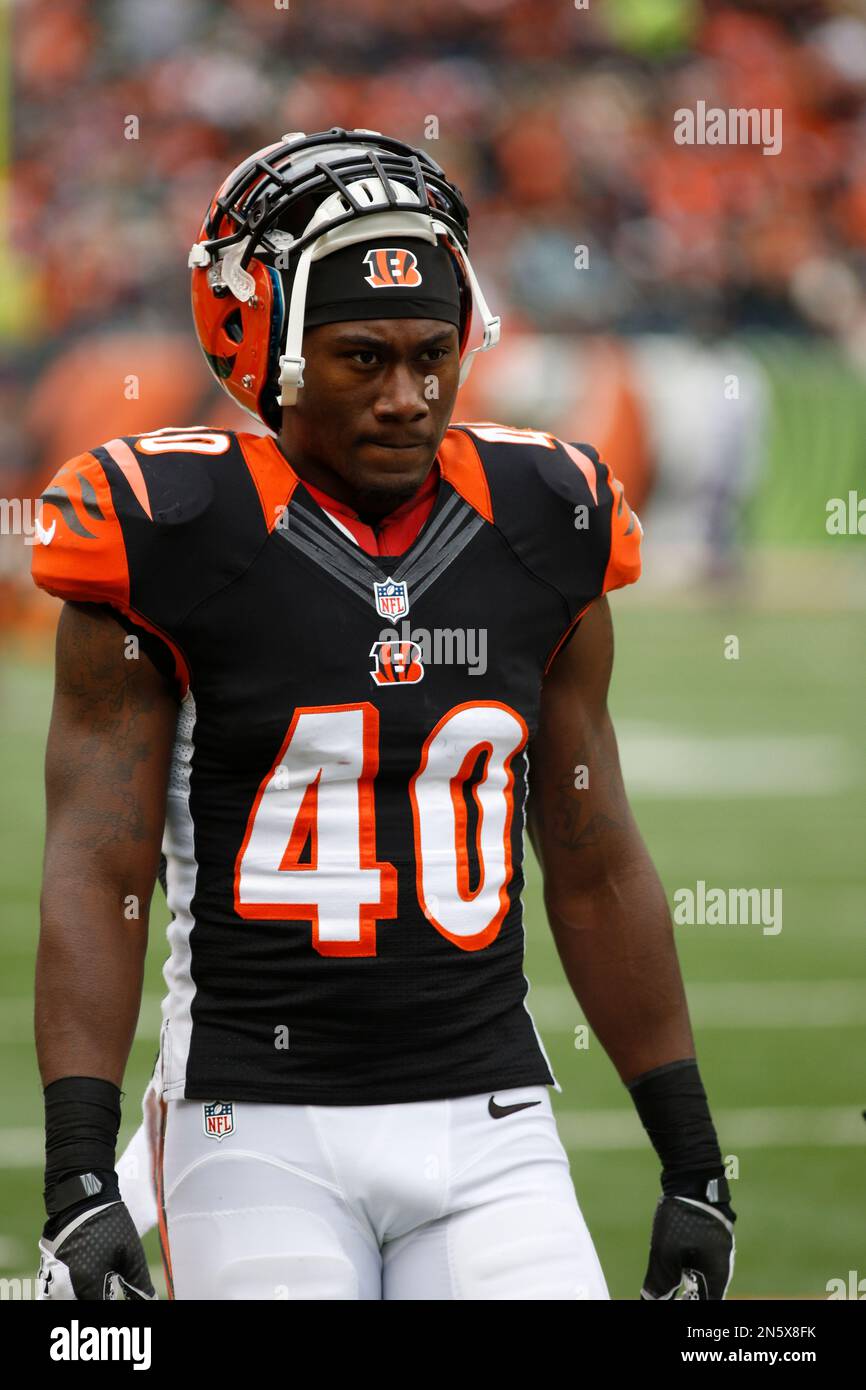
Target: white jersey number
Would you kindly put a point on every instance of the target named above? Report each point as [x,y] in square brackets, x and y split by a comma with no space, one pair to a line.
[318,802]
[195,440]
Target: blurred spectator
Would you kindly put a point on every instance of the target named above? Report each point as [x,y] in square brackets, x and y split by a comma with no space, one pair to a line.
[561,132]
[557,123]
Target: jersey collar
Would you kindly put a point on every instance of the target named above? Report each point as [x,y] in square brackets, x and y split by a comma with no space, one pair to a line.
[397,531]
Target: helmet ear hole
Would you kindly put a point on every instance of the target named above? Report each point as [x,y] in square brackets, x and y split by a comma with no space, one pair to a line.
[233,326]
[222,367]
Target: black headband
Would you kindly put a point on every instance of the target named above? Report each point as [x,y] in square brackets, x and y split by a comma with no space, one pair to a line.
[387,278]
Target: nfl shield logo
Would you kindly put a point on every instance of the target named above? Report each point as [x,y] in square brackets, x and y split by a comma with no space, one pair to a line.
[219,1119]
[392,598]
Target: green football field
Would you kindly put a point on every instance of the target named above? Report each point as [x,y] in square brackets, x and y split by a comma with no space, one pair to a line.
[744,773]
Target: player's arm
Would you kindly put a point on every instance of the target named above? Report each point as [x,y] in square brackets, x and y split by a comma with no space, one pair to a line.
[612,927]
[109,745]
[605,903]
[106,770]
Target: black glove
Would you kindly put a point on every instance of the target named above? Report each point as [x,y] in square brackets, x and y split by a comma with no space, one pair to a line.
[692,1244]
[692,1240]
[90,1248]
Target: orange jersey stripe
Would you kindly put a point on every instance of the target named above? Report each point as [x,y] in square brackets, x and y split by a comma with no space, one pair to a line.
[461,464]
[84,558]
[585,467]
[181,665]
[162,1222]
[576,619]
[624,562]
[270,470]
[131,470]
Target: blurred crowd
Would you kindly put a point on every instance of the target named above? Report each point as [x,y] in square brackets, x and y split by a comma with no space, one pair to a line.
[557,122]
[555,117]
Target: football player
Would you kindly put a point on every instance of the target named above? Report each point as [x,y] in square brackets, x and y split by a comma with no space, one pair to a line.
[333,672]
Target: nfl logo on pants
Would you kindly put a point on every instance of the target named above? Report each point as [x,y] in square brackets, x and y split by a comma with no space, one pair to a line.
[219,1119]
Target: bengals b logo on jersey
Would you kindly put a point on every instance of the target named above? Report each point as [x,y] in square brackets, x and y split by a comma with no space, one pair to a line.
[392,267]
[396,663]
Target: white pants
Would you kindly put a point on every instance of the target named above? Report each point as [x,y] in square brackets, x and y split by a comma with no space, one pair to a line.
[423,1200]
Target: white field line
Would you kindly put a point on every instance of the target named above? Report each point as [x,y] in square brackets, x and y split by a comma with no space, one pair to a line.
[16,1019]
[732,1004]
[805,1126]
[662,762]
[795,1126]
[727,1004]
[27,1272]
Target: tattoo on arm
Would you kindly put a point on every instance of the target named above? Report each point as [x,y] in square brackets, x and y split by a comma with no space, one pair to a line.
[572,826]
[107,710]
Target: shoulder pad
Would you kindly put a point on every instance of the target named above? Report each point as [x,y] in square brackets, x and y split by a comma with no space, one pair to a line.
[559,507]
[79,552]
[161,478]
[154,523]
[167,473]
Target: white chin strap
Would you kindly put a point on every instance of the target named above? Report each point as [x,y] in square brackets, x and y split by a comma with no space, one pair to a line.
[377,224]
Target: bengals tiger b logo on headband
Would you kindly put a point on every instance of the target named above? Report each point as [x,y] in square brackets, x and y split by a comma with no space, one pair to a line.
[392,267]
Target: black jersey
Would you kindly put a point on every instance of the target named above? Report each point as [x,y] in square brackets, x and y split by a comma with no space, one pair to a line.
[346,805]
